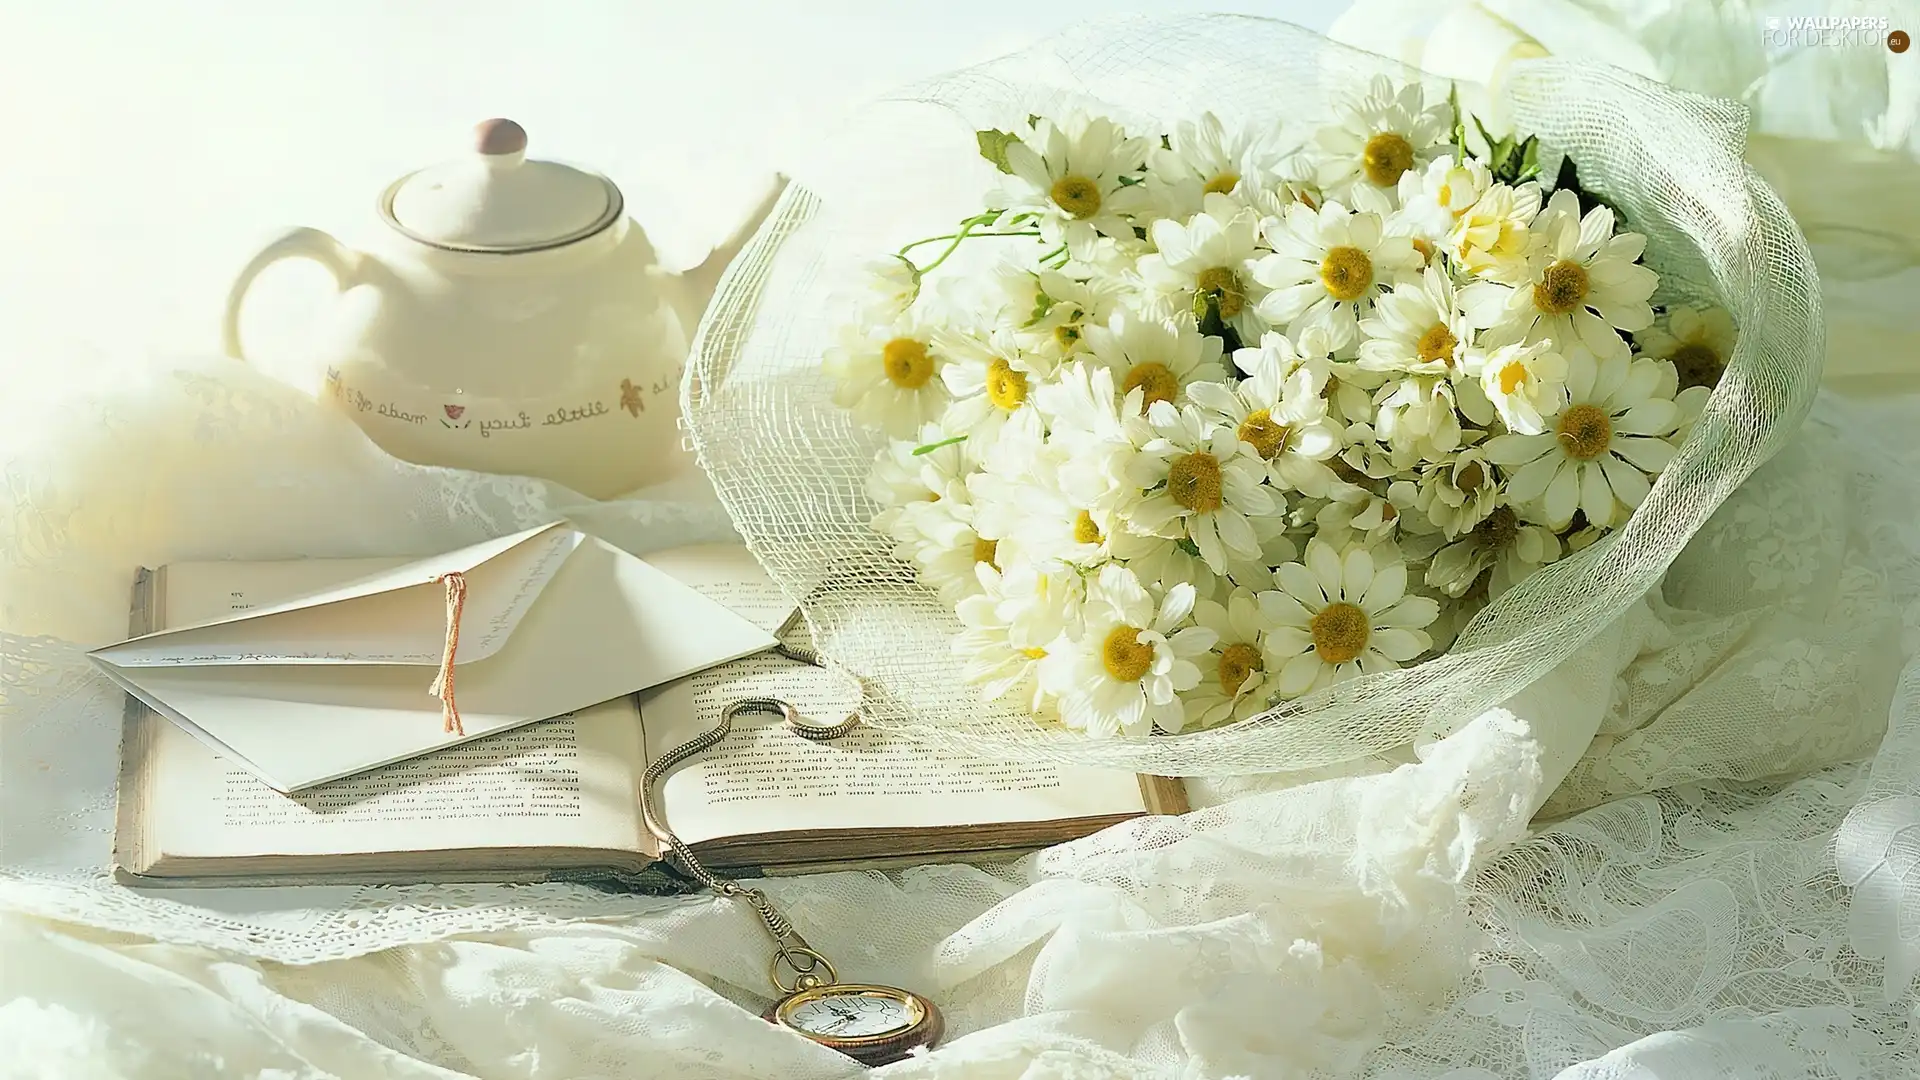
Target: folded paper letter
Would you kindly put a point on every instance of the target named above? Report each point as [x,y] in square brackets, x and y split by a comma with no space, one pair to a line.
[334,682]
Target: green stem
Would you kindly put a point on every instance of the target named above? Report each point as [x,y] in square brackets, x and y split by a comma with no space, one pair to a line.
[957,239]
[1055,253]
[931,447]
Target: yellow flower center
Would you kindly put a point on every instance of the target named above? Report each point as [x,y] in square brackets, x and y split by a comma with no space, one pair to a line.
[1499,529]
[1697,365]
[1085,529]
[1347,273]
[1585,432]
[1238,662]
[1222,184]
[1437,343]
[1340,632]
[1066,335]
[1153,377]
[1385,157]
[1512,377]
[1224,286]
[1035,653]
[906,362]
[1562,288]
[1470,476]
[1194,482]
[985,550]
[1006,387]
[1265,434]
[1077,195]
[1124,655]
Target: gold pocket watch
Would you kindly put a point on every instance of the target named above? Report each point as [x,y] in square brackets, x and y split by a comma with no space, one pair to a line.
[871,1023]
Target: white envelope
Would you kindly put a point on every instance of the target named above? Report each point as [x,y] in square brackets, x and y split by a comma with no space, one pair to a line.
[337,681]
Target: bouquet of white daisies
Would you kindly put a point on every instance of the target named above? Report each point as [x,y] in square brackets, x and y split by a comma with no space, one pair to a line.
[1268,413]
[1222,421]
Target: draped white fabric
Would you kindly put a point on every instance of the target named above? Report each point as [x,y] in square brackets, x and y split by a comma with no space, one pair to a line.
[1723,876]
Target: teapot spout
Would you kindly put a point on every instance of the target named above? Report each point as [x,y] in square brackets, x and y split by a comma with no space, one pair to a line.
[701,280]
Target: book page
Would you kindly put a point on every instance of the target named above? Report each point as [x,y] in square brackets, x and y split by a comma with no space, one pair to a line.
[565,782]
[764,778]
[728,575]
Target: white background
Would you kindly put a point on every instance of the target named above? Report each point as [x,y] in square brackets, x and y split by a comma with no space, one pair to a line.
[147,148]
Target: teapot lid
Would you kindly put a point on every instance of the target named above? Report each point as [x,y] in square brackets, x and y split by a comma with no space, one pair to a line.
[496,201]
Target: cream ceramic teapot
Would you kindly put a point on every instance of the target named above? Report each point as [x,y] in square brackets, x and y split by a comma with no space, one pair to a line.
[509,317]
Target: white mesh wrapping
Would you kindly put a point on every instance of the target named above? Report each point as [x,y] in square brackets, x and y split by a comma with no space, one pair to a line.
[791,467]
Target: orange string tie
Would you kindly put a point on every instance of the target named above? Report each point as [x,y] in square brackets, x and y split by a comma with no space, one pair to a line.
[442,687]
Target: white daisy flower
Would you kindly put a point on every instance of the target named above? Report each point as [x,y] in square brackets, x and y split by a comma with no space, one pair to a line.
[990,380]
[1093,434]
[1204,262]
[1233,675]
[1418,327]
[1697,341]
[996,656]
[1456,494]
[1204,158]
[1363,462]
[1041,604]
[1582,281]
[939,538]
[1375,139]
[1158,357]
[1357,515]
[1493,237]
[1434,199]
[1070,176]
[1603,445]
[1339,616]
[884,289]
[1050,311]
[1277,351]
[1023,497]
[901,477]
[1133,658]
[1500,550]
[1415,417]
[888,375]
[1525,383]
[1279,414]
[1200,482]
[1327,267]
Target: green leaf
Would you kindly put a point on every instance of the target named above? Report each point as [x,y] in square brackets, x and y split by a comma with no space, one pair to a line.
[1529,159]
[1042,303]
[993,147]
[1127,180]
[1033,120]
[1458,127]
[932,446]
[1188,546]
[1497,149]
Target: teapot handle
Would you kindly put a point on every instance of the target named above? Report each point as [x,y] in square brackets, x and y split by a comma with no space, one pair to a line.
[302,243]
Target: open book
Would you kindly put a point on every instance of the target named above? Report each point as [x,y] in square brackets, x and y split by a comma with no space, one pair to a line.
[560,799]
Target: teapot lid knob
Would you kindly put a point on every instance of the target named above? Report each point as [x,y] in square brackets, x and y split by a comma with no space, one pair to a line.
[499,136]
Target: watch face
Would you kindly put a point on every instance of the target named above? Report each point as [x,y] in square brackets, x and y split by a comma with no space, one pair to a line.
[853,1015]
